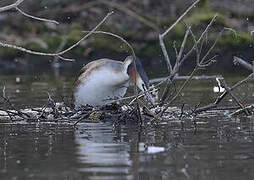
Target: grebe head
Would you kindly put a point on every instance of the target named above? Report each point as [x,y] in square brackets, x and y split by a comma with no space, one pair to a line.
[142,79]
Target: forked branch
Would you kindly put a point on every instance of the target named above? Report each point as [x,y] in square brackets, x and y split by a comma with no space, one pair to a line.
[162,36]
[59,54]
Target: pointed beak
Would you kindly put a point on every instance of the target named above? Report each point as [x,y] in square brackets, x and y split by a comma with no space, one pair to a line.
[143,88]
[150,97]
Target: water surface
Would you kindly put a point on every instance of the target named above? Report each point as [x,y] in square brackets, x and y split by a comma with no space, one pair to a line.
[219,148]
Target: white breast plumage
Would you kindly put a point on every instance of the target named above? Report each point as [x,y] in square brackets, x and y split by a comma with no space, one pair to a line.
[100,87]
[105,80]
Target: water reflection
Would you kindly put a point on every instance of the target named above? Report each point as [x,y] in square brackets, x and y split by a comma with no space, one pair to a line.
[220,148]
[101,147]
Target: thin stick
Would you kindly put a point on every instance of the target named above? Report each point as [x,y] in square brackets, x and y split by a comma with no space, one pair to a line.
[233,96]
[114,35]
[180,18]
[36,18]
[162,36]
[221,97]
[200,38]
[180,90]
[171,77]
[239,83]
[243,63]
[14,5]
[179,56]
[131,13]
[59,53]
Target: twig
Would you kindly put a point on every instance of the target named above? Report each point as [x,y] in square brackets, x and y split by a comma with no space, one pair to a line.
[117,36]
[81,119]
[179,91]
[233,96]
[180,18]
[173,73]
[239,111]
[14,5]
[60,48]
[202,77]
[7,100]
[162,36]
[179,56]
[221,97]
[245,64]
[130,13]
[36,18]
[200,38]
[62,52]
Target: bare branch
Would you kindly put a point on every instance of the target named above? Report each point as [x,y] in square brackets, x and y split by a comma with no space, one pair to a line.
[200,38]
[179,19]
[165,53]
[221,97]
[243,63]
[161,36]
[224,84]
[179,56]
[59,53]
[12,6]
[173,73]
[117,36]
[15,6]
[178,93]
[130,13]
[36,18]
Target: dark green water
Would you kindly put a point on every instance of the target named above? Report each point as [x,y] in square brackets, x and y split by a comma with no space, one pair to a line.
[220,147]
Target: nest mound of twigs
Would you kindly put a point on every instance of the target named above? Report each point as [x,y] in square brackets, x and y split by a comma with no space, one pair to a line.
[115,113]
[59,112]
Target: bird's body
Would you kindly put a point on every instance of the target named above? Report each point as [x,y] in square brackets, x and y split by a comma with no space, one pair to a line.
[102,81]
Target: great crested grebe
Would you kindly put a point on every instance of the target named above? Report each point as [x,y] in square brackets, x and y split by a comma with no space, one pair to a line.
[104,80]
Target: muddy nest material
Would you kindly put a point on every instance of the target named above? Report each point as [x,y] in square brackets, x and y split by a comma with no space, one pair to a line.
[60,113]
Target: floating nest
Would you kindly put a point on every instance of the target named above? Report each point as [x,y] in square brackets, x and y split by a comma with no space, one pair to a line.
[59,112]
[115,113]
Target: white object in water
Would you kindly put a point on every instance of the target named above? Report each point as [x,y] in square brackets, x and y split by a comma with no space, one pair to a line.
[155,149]
[218,88]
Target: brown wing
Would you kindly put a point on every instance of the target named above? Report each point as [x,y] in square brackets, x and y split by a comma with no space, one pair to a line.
[87,69]
[83,70]
[87,66]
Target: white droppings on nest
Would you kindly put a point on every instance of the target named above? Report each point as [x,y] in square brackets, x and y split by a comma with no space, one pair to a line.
[124,108]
